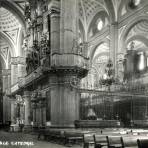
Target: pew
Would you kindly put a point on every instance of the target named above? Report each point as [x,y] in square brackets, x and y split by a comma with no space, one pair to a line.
[129,142]
[114,141]
[88,140]
[100,141]
[142,143]
[72,137]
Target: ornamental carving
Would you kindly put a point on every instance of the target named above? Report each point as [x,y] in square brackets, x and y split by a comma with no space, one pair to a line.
[33,58]
[44,46]
[27,12]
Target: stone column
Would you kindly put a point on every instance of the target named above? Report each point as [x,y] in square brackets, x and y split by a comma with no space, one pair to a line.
[54,30]
[6,90]
[42,113]
[13,111]
[14,70]
[114,44]
[68,66]
[34,108]
[21,66]
[27,100]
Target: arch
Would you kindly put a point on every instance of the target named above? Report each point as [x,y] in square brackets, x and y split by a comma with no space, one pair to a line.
[13,8]
[139,38]
[101,54]
[92,51]
[129,26]
[10,44]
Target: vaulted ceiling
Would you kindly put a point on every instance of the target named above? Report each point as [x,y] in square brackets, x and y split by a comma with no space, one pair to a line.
[12,23]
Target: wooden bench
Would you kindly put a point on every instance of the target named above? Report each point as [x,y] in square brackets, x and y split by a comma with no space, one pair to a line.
[129,142]
[114,141]
[142,143]
[42,132]
[55,135]
[51,135]
[72,137]
[88,140]
[100,141]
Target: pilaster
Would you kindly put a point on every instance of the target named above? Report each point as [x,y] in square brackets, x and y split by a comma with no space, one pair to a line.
[68,62]
[17,68]
[54,30]
[27,99]
[13,117]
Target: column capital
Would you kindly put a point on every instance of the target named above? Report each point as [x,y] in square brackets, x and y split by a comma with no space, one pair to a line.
[18,60]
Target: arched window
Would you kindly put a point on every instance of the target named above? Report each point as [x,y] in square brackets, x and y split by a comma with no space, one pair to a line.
[99,24]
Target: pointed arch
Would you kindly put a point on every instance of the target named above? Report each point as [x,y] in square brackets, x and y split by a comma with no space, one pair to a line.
[128,27]
[12,51]
[93,49]
[139,38]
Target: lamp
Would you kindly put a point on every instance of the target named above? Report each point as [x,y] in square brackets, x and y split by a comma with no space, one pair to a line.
[108,78]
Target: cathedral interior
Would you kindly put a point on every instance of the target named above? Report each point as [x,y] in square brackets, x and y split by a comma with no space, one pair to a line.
[73,64]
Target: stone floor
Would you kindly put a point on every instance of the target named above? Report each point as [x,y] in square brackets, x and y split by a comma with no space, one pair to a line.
[8,140]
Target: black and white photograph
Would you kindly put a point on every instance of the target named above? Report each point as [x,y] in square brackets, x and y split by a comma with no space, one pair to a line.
[74,73]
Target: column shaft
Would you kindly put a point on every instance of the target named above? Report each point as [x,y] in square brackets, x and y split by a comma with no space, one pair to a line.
[13,111]
[27,99]
[54,31]
[114,44]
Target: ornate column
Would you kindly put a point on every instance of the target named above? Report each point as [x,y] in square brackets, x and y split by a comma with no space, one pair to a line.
[17,68]
[67,65]
[14,70]
[21,66]
[6,90]
[54,29]
[34,106]
[27,99]
[42,112]
[13,111]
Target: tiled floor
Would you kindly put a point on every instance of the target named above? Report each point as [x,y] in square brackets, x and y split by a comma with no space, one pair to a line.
[11,138]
